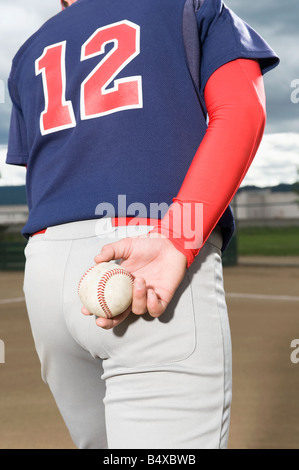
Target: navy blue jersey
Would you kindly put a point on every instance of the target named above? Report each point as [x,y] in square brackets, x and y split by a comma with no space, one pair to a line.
[108,104]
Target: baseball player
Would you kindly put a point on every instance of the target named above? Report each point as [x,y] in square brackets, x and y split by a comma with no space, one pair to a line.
[137,121]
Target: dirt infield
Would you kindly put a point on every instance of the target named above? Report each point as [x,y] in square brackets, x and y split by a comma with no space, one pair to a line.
[264,321]
[263,304]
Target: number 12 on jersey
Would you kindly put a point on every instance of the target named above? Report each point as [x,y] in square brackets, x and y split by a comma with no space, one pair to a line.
[96,99]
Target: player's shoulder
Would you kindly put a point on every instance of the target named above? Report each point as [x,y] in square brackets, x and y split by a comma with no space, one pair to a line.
[26,46]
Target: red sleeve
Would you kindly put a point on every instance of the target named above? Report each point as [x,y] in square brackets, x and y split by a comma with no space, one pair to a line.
[235,102]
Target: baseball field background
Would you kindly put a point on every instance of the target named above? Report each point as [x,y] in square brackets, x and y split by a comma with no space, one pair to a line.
[263,302]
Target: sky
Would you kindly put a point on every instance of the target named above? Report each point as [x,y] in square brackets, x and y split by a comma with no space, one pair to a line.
[277,160]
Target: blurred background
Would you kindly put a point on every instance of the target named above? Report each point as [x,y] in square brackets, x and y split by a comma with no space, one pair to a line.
[261,265]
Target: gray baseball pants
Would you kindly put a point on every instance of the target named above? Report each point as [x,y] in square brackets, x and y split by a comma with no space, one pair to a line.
[162,383]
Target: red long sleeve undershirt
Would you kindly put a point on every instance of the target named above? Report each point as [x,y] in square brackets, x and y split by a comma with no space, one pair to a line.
[235,101]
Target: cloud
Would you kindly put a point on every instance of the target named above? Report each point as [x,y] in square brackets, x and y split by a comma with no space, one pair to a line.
[277,22]
[276,161]
[10,175]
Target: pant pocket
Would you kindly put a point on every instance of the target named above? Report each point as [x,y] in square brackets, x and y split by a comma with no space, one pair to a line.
[146,341]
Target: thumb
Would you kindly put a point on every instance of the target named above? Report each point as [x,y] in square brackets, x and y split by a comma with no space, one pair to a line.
[112,251]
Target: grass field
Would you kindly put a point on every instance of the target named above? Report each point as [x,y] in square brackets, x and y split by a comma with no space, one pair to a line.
[268,241]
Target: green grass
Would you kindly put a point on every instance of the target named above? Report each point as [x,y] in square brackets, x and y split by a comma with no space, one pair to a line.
[12,237]
[252,241]
[268,241]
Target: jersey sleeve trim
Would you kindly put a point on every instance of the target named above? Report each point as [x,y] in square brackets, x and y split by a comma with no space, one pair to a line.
[266,62]
[225,37]
[16,159]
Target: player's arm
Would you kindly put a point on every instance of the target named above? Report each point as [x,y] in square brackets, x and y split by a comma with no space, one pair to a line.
[236,105]
[235,101]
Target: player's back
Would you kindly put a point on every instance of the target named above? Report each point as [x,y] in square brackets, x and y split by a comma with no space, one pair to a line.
[107,94]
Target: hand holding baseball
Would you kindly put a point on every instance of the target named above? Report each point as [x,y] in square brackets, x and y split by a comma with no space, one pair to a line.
[158,268]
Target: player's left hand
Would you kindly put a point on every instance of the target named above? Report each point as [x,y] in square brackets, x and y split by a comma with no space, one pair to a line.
[158,268]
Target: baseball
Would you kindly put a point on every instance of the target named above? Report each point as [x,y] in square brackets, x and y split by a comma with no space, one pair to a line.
[106,289]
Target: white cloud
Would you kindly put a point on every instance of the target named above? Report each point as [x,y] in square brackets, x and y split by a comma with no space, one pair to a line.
[276,161]
[10,175]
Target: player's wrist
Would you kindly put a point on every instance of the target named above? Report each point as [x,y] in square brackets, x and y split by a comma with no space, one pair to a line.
[174,243]
[182,226]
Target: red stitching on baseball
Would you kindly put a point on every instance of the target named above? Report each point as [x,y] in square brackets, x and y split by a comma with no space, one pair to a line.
[84,275]
[102,284]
